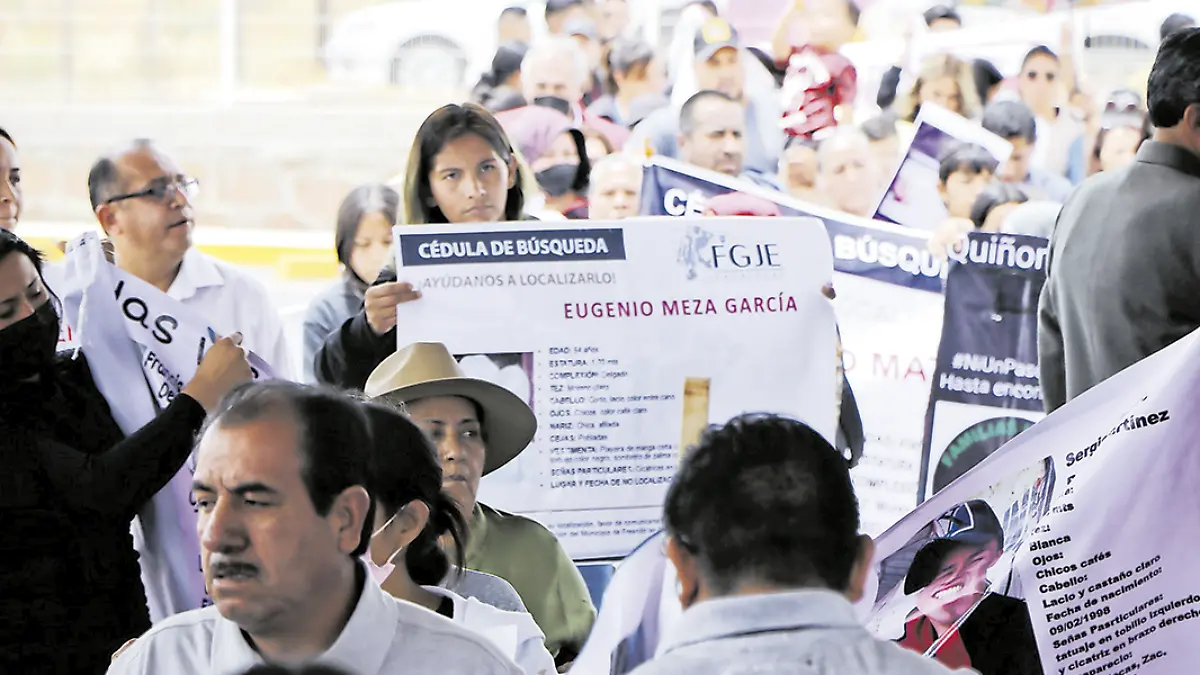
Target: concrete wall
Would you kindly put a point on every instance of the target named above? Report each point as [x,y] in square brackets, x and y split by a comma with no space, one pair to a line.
[273,166]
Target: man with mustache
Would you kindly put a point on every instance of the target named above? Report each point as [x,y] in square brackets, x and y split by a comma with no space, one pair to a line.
[143,201]
[986,631]
[283,521]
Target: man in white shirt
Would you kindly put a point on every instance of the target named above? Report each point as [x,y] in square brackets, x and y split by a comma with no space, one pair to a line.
[142,200]
[283,522]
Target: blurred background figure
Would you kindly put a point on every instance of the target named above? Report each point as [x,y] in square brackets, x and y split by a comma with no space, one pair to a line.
[514,26]
[945,81]
[1014,122]
[556,151]
[798,168]
[884,137]
[994,204]
[560,12]
[363,240]
[847,178]
[500,87]
[612,19]
[616,187]
[636,75]
[1124,126]
[712,136]
[583,32]
[12,195]
[1043,84]
[1175,23]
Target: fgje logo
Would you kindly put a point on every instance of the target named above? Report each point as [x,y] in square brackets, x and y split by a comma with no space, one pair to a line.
[702,249]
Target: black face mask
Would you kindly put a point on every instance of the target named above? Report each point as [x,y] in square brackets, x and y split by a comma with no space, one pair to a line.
[27,347]
[562,105]
[559,179]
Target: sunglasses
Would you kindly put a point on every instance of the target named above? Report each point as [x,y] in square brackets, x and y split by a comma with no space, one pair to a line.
[1033,75]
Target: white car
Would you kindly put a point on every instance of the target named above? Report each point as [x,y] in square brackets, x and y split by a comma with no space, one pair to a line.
[422,44]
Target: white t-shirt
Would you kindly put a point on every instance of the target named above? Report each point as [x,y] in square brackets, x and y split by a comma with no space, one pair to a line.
[514,633]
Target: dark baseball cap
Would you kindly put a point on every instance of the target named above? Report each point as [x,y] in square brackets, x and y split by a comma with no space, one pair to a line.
[582,27]
[716,34]
[969,524]
[553,6]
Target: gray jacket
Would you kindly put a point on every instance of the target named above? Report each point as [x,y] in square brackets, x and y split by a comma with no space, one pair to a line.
[327,312]
[1123,278]
[798,633]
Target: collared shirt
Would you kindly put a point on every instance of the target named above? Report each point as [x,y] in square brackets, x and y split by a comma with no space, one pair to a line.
[528,556]
[811,632]
[233,301]
[514,633]
[384,636]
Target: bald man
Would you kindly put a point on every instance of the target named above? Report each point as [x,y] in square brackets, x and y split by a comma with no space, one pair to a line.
[616,188]
[847,173]
[143,201]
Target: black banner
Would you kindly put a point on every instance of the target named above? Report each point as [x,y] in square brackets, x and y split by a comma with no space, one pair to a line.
[985,386]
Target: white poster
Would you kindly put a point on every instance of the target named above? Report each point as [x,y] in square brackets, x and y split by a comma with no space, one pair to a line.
[1071,548]
[631,337]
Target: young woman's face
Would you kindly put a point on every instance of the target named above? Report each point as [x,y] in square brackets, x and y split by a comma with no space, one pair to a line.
[1119,148]
[470,181]
[942,91]
[372,243]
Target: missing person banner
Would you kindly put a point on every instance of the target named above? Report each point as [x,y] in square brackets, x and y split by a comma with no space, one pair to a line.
[985,387]
[138,340]
[889,312]
[627,339]
[917,197]
[1069,551]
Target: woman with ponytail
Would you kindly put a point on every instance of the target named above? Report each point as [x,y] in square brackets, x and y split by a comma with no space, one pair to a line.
[413,515]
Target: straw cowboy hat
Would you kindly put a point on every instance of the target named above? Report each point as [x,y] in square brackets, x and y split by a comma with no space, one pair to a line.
[427,369]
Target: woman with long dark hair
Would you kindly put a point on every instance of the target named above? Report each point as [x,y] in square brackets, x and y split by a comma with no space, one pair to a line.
[363,240]
[70,482]
[412,514]
[462,169]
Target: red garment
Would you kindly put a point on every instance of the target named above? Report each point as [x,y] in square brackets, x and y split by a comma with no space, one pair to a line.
[817,82]
[919,636]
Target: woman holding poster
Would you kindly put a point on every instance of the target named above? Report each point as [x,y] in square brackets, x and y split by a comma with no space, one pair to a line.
[70,483]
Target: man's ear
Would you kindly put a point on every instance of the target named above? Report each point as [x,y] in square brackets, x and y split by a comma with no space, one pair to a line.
[348,516]
[861,569]
[686,570]
[106,215]
[1191,117]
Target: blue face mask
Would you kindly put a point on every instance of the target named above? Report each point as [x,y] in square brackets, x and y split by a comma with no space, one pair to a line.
[27,347]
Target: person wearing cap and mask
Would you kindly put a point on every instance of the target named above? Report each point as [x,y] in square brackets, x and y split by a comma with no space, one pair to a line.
[557,154]
[479,427]
[988,632]
[719,66]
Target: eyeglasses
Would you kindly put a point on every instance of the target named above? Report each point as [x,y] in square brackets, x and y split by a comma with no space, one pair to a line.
[1033,75]
[163,189]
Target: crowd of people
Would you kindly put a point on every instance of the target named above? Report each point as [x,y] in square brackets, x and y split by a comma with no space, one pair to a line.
[339,521]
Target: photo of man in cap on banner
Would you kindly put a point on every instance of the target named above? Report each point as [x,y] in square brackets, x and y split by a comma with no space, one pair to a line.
[960,619]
